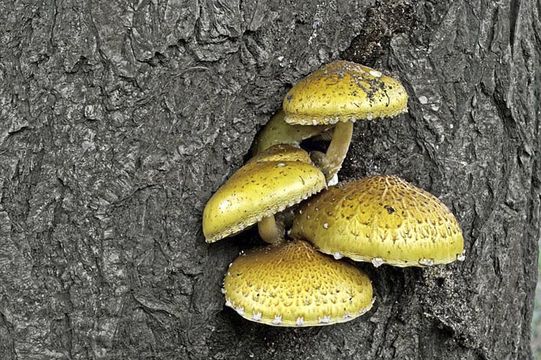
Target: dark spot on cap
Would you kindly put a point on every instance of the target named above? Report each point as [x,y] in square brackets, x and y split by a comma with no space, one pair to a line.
[389,209]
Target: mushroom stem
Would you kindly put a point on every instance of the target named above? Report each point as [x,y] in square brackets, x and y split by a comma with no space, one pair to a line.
[271,231]
[331,162]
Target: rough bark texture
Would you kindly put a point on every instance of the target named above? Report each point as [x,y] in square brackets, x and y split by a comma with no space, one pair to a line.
[119,120]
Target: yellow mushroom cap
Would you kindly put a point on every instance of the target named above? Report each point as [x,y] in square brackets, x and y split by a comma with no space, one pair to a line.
[277,178]
[292,284]
[382,219]
[344,91]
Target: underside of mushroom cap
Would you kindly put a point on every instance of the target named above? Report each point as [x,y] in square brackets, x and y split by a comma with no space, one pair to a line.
[274,180]
[381,219]
[344,91]
[291,284]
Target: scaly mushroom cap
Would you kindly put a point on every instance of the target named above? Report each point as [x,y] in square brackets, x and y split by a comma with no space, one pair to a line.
[382,219]
[277,131]
[278,178]
[291,284]
[344,91]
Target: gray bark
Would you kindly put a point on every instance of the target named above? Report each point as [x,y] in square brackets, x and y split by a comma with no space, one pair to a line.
[119,119]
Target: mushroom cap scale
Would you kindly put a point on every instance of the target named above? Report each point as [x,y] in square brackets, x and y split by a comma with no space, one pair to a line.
[292,284]
[381,219]
[344,91]
[261,188]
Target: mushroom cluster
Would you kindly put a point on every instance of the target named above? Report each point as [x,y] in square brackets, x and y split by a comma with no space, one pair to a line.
[377,219]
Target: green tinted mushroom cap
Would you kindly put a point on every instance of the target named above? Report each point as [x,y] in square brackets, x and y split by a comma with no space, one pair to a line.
[277,131]
[291,284]
[281,152]
[270,182]
[381,219]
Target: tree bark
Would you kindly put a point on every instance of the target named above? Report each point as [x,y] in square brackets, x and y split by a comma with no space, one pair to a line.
[118,120]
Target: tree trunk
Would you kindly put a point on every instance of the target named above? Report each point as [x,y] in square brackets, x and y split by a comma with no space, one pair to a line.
[118,120]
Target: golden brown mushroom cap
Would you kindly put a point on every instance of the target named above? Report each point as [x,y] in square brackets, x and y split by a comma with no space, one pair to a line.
[291,284]
[277,178]
[344,91]
[382,219]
